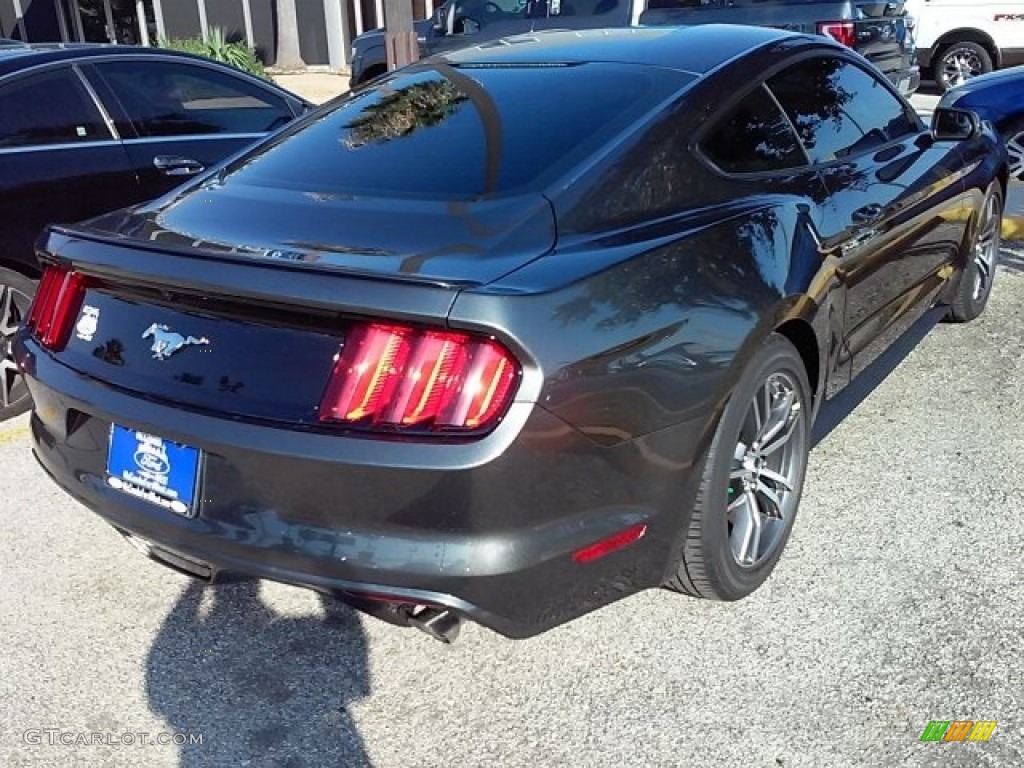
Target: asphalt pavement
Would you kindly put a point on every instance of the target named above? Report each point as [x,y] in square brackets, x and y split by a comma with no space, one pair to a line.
[897,602]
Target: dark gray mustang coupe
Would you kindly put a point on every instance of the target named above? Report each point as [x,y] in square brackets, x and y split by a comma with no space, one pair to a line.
[514,332]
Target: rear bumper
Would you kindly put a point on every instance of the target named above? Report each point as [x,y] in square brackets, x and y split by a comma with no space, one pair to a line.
[487,531]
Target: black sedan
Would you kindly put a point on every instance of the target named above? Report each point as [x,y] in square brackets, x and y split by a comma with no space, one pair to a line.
[514,332]
[999,98]
[87,129]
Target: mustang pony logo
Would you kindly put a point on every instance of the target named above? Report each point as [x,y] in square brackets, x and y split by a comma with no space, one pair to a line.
[166,343]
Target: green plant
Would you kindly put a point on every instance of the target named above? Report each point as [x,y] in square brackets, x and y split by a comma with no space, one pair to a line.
[219,47]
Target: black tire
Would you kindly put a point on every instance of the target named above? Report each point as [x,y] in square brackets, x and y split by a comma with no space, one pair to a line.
[16,292]
[982,258]
[710,566]
[959,62]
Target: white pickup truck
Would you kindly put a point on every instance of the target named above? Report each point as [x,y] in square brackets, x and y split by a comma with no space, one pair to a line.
[961,39]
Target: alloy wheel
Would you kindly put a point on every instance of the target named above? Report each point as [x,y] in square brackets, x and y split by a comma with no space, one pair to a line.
[1015,147]
[767,471]
[14,306]
[986,246]
[961,65]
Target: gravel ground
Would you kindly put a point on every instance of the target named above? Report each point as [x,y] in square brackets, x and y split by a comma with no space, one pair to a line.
[897,602]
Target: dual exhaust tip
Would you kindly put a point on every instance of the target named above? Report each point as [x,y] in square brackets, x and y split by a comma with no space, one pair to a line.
[442,624]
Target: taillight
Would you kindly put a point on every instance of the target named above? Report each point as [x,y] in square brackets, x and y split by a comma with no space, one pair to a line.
[398,377]
[844,32]
[57,303]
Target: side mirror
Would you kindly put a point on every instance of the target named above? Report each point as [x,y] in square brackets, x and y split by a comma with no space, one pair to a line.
[950,124]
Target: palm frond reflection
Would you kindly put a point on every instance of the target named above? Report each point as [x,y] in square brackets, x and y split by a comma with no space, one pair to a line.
[403,111]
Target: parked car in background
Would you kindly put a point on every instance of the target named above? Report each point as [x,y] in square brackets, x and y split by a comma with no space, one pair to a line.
[961,39]
[516,331]
[999,98]
[878,31]
[85,129]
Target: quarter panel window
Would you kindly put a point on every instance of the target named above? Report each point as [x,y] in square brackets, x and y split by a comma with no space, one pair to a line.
[838,109]
[171,99]
[48,108]
[753,137]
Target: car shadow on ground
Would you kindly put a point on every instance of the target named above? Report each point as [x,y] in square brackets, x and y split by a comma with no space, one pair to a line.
[258,687]
[834,411]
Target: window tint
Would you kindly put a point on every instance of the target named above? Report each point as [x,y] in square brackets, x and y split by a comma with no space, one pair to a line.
[49,108]
[170,99]
[471,132]
[473,15]
[838,108]
[754,136]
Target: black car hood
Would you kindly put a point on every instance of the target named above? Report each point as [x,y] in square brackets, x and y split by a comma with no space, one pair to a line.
[441,242]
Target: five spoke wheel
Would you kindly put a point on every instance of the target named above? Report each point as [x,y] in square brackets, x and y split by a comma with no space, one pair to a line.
[753,476]
[986,246]
[767,465]
[15,297]
[1015,148]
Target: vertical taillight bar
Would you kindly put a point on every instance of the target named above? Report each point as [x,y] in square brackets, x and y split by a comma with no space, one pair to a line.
[56,305]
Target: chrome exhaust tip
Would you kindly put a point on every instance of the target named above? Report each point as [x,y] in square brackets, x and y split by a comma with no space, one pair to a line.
[440,623]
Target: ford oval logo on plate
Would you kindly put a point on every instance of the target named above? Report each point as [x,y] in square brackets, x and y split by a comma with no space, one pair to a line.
[151,468]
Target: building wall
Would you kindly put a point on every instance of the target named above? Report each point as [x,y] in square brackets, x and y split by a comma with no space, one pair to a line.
[40,20]
[228,15]
[181,19]
[8,26]
[312,31]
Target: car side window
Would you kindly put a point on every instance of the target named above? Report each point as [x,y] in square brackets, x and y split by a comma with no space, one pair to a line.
[753,137]
[839,109]
[172,99]
[49,108]
[473,15]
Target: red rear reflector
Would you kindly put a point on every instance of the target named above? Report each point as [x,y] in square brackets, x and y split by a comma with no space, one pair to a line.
[844,32]
[56,305]
[606,546]
[395,376]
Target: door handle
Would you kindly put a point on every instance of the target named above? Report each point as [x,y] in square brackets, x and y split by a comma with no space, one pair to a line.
[173,165]
[868,214]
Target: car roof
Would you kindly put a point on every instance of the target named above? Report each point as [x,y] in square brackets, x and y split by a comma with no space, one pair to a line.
[697,49]
[14,58]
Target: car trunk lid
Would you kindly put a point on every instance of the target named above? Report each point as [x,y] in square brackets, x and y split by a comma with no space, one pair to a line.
[244,335]
[433,241]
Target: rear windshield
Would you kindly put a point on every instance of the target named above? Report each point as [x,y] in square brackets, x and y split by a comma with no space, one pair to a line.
[465,132]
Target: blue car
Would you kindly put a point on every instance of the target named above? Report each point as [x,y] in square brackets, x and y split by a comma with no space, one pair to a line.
[999,98]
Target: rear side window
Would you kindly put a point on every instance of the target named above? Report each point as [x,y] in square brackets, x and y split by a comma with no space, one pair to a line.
[753,137]
[48,108]
[462,132]
[838,109]
[171,99]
